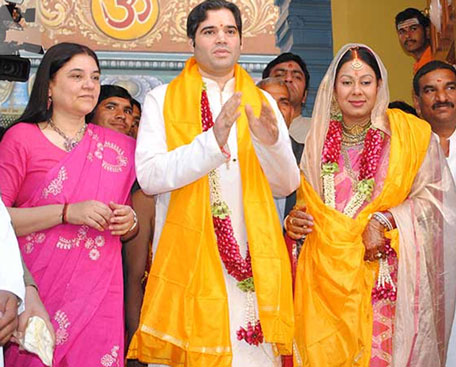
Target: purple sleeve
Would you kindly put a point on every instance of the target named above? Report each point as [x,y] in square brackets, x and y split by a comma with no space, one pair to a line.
[13,164]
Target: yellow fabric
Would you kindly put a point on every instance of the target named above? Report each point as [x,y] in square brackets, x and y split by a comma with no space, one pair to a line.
[184,318]
[333,311]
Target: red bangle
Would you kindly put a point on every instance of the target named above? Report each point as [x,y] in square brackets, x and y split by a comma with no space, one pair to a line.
[64,213]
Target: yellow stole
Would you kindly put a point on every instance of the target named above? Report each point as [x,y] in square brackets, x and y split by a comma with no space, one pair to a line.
[333,310]
[184,317]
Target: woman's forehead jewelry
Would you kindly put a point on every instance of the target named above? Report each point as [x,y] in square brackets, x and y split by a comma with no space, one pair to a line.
[356,63]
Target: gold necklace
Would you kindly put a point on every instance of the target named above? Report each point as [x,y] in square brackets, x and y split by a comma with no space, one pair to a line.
[69,143]
[354,135]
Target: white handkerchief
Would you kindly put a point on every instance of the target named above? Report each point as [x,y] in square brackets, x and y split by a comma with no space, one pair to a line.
[38,340]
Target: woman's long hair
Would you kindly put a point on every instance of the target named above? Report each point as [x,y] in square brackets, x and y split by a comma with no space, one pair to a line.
[38,108]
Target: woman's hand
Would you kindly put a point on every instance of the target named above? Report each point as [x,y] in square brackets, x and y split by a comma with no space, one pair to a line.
[33,307]
[298,223]
[374,240]
[122,220]
[92,213]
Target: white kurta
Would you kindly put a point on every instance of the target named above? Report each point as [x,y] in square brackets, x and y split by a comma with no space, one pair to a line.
[451,159]
[159,172]
[11,272]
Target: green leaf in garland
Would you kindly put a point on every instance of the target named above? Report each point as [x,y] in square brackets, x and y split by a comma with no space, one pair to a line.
[246,285]
[220,210]
[329,168]
[366,187]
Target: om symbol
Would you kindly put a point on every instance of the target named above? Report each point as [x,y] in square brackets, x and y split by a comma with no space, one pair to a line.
[125,19]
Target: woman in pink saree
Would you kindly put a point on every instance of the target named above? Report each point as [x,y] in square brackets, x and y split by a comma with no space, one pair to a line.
[66,185]
[375,283]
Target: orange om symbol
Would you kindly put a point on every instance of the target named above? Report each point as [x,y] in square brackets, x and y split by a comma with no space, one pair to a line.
[125,19]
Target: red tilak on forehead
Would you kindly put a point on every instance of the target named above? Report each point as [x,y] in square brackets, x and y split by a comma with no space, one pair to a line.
[439,80]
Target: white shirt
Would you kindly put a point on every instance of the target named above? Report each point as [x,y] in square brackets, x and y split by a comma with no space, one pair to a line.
[452,156]
[159,172]
[11,272]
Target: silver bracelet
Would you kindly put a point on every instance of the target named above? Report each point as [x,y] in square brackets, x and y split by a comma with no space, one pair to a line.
[384,221]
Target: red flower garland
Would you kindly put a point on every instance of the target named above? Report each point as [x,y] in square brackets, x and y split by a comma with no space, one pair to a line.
[370,156]
[236,266]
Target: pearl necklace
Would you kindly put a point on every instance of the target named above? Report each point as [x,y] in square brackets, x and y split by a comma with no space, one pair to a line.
[69,143]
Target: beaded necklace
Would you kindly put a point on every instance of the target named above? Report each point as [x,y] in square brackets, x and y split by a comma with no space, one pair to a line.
[238,267]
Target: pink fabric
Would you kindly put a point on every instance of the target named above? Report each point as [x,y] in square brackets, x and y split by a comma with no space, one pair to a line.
[383,311]
[78,269]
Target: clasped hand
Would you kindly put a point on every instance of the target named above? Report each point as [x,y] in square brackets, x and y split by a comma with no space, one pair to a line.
[374,240]
[298,223]
[263,127]
[116,218]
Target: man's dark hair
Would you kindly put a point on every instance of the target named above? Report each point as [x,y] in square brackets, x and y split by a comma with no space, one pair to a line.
[404,106]
[412,13]
[199,15]
[108,91]
[427,68]
[134,102]
[285,57]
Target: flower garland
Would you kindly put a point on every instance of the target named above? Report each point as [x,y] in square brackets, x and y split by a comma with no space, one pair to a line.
[370,157]
[238,267]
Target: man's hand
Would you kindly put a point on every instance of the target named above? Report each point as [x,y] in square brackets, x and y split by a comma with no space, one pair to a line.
[264,127]
[33,307]
[8,316]
[226,118]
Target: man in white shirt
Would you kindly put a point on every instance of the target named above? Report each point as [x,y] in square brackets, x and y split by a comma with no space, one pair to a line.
[195,310]
[12,288]
[434,86]
[435,101]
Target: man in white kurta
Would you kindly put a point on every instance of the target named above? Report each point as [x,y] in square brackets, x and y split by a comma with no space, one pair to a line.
[435,101]
[159,171]
[12,289]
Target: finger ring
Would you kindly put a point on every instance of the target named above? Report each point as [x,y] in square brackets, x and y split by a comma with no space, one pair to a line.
[378,255]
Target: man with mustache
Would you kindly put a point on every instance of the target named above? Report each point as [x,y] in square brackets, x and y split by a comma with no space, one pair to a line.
[434,97]
[413,30]
[214,149]
[434,86]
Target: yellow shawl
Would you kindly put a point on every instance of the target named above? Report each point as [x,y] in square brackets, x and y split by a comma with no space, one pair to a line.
[184,317]
[333,311]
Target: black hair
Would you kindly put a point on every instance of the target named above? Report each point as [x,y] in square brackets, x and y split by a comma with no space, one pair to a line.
[288,56]
[404,106]
[199,15]
[410,13]
[365,55]
[55,58]
[108,91]
[134,102]
[427,68]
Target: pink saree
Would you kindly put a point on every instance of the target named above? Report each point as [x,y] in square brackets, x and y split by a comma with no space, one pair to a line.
[78,269]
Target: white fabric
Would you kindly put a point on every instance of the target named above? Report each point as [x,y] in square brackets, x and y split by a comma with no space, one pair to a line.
[451,159]
[299,128]
[280,206]
[160,172]
[11,272]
